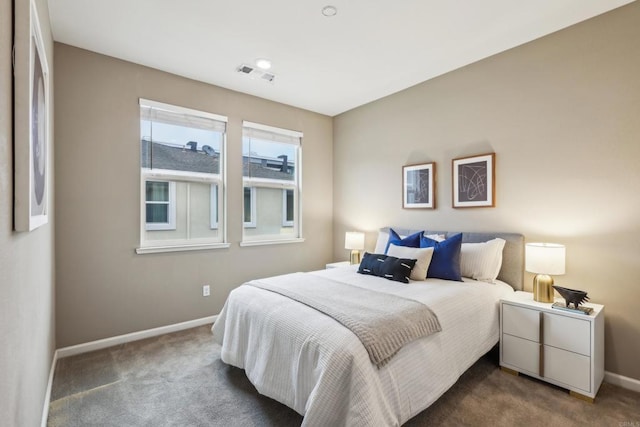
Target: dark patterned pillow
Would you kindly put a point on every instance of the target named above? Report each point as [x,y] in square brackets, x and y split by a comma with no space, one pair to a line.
[389,267]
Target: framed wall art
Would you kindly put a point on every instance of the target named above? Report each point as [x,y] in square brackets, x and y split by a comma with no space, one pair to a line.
[418,189]
[31,121]
[474,181]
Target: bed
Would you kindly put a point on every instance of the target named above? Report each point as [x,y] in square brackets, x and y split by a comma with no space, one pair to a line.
[316,366]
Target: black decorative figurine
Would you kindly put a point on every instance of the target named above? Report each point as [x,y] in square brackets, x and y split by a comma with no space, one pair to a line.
[572,296]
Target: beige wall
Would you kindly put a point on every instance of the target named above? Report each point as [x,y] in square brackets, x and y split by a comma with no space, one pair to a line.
[103,287]
[562,115]
[26,267]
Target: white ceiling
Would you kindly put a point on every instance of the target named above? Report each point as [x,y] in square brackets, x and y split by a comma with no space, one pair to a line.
[370,49]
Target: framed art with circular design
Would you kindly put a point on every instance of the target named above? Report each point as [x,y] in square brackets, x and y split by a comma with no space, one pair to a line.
[31,121]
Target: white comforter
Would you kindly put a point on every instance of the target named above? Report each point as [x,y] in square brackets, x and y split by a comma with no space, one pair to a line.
[311,363]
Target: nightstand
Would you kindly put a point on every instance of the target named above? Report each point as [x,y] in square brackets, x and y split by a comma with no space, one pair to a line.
[562,348]
[338,264]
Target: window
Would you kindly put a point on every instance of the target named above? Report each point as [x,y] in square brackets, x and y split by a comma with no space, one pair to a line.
[288,208]
[182,178]
[249,207]
[271,159]
[160,209]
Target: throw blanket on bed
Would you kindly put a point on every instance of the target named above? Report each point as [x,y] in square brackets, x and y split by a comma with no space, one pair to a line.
[383,322]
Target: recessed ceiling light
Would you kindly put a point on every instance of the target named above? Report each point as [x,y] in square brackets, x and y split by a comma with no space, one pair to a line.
[265,64]
[329,11]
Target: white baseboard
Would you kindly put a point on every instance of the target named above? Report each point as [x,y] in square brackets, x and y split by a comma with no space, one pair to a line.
[47,395]
[134,336]
[622,381]
[109,342]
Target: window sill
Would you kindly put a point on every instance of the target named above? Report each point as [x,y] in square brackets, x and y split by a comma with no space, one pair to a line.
[270,242]
[180,248]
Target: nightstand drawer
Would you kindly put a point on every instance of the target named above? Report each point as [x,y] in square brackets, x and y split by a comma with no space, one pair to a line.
[521,353]
[567,333]
[562,348]
[569,368]
[521,322]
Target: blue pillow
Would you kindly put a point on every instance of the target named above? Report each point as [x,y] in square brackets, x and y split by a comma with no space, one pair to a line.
[445,263]
[412,241]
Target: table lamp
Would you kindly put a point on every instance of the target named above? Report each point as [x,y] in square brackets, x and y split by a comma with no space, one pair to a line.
[354,240]
[544,259]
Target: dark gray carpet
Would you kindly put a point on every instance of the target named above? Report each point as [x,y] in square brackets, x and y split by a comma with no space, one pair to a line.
[179,380]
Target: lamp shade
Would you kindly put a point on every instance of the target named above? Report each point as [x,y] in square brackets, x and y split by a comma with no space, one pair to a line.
[354,240]
[545,258]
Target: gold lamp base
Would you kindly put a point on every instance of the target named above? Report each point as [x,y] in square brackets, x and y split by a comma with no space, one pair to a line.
[355,256]
[542,288]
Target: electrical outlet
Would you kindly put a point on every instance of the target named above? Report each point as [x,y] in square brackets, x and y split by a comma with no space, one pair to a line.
[206,291]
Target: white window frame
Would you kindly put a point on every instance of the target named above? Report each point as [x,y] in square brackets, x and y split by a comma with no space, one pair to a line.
[252,197]
[286,223]
[171,208]
[294,138]
[173,176]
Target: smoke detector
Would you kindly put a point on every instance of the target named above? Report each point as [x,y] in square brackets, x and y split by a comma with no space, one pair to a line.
[255,73]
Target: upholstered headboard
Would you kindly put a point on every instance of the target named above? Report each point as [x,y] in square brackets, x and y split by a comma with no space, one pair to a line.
[512,271]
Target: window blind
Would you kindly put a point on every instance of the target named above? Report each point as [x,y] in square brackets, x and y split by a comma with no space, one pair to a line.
[163,113]
[270,133]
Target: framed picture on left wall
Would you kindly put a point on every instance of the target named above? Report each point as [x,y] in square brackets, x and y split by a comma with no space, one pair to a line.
[31,121]
[418,189]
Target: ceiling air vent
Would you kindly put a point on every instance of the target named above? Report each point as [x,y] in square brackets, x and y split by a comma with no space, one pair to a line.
[245,69]
[255,73]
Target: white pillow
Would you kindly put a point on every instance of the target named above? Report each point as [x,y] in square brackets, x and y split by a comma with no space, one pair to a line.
[482,261]
[381,243]
[436,237]
[422,255]
[383,239]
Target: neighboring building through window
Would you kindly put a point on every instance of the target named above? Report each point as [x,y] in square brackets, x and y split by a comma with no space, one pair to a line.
[271,160]
[160,205]
[214,207]
[182,176]
[288,208]
[249,205]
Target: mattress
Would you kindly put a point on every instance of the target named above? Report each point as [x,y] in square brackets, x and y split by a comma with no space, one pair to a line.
[311,363]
